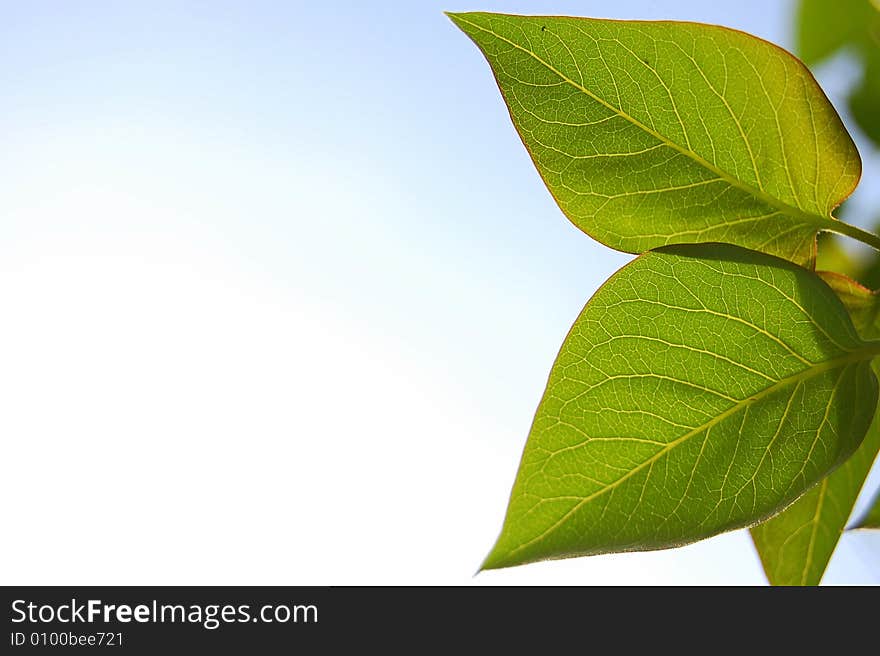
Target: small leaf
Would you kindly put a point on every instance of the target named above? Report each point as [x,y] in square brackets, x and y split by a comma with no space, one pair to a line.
[862,304]
[653,133]
[824,27]
[872,517]
[796,545]
[703,388]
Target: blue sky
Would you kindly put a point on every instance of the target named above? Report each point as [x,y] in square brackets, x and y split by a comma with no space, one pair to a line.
[282,290]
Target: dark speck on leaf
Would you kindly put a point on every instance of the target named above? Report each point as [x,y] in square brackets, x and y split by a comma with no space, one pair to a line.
[543,28]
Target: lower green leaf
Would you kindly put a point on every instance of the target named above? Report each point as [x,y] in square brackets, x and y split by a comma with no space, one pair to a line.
[703,388]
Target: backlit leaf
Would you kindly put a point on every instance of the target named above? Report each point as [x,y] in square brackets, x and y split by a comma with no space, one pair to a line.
[703,388]
[653,133]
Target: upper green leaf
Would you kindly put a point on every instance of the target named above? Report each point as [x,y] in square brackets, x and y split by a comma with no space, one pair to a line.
[796,545]
[703,388]
[653,133]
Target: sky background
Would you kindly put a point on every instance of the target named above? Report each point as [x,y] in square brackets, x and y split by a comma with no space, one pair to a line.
[281,289]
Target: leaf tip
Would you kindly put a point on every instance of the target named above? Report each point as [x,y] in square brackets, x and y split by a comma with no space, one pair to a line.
[465,21]
[486,565]
[498,558]
[456,18]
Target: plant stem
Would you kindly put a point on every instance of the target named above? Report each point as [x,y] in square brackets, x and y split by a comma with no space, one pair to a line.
[856,233]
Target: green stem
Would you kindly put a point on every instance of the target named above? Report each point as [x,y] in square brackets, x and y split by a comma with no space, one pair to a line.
[856,233]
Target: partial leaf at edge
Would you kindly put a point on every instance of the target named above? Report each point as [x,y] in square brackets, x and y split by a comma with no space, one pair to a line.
[796,545]
[824,27]
[654,133]
[703,388]
[872,517]
[864,101]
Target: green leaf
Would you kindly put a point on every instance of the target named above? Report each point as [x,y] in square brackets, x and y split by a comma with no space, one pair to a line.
[796,545]
[864,102]
[862,304]
[703,388]
[653,133]
[872,517]
[824,27]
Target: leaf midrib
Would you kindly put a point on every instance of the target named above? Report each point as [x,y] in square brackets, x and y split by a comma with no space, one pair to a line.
[866,353]
[816,220]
